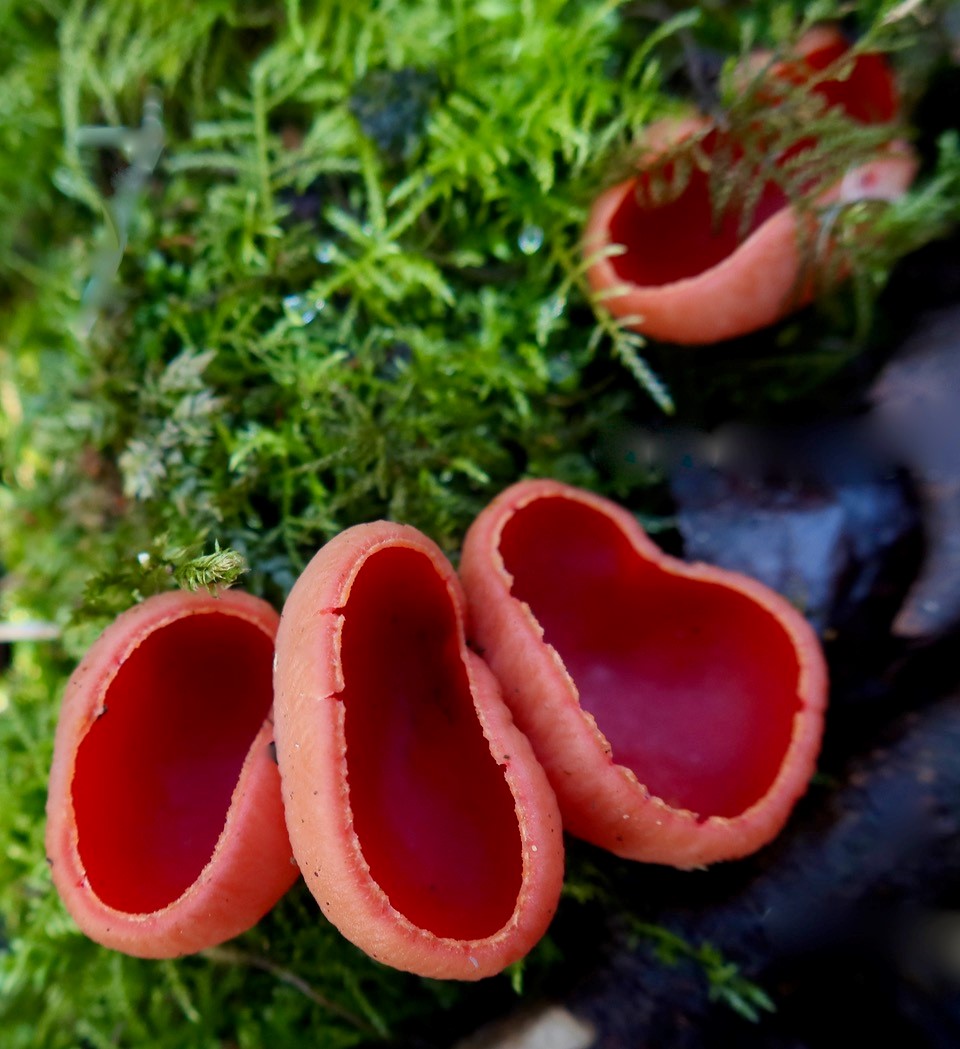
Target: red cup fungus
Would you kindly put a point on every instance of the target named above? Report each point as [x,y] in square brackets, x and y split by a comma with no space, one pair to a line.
[421,820]
[677,708]
[165,829]
[865,90]
[673,270]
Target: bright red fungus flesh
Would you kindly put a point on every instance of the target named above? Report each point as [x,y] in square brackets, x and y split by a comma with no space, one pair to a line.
[432,810]
[423,824]
[684,273]
[156,771]
[693,685]
[867,94]
[688,240]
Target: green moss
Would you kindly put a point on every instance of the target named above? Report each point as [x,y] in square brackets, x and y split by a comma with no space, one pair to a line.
[349,287]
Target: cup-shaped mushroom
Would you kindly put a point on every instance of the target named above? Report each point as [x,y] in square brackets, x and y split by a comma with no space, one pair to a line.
[861,84]
[669,265]
[677,708]
[165,829]
[421,820]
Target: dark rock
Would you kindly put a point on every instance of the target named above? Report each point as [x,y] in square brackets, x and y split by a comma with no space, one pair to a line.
[916,406]
[814,515]
[833,900]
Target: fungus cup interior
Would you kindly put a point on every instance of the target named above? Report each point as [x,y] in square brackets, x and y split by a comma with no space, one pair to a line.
[693,684]
[155,773]
[867,93]
[689,237]
[432,811]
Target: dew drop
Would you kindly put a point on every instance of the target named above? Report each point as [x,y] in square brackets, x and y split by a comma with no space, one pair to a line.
[325,252]
[530,240]
[302,309]
[143,559]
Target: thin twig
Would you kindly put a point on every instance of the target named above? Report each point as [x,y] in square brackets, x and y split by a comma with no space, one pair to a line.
[230,956]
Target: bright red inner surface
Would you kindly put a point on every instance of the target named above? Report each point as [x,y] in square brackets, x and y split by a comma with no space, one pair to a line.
[867,95]
[680,239]
[693,685]
[155,773]
[432,810]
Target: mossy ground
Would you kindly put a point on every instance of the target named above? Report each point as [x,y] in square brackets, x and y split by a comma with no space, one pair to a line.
[348,287]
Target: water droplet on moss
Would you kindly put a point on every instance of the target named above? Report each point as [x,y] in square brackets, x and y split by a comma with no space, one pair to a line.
[530,240]
[302,309]
[325,251]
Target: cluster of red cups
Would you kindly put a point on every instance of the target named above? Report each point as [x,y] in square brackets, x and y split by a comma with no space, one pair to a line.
[414,741]
[679,273]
